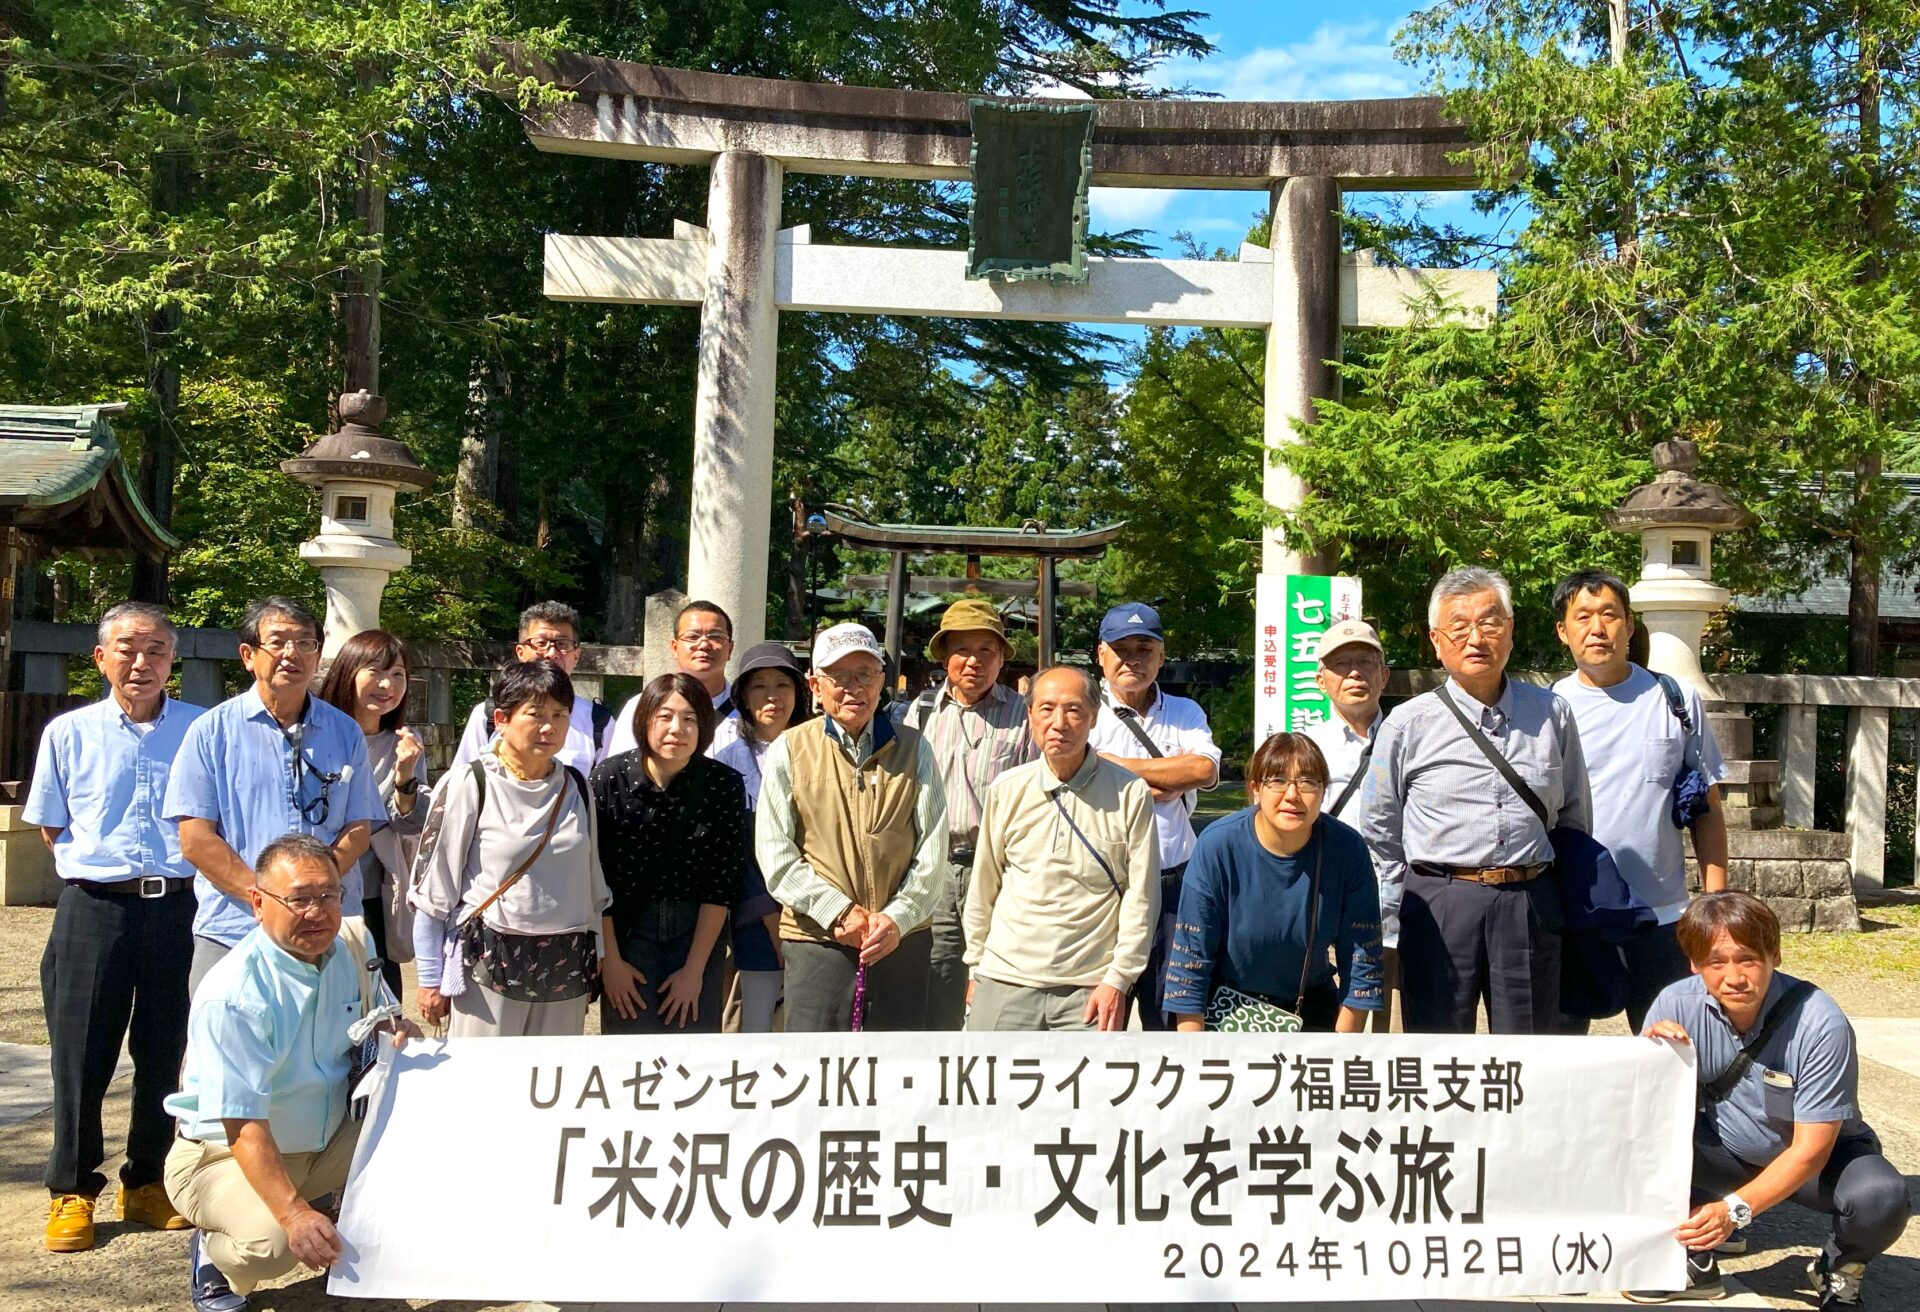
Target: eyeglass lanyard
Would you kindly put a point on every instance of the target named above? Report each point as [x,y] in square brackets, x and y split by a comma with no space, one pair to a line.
[296,740]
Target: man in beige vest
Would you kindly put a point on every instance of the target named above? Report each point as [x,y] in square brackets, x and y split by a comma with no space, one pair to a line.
[851,833]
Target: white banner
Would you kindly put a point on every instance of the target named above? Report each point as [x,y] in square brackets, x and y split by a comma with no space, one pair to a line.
[1020,1168]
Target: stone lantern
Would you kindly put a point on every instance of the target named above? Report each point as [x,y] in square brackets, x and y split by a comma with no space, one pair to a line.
[1676,517]
[358,473]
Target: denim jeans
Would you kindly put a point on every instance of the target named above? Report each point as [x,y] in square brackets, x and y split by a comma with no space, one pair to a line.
[656,944]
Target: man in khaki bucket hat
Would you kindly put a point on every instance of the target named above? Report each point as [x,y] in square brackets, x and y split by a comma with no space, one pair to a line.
[976,728]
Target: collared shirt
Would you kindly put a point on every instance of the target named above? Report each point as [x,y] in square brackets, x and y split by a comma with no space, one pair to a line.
[101,779]
[974,745]
[1178,727]
[1634,746]
[1432,796]
[687,842]
[776,834]
[237,768]
[580,750]
[1344,750]
[726,725]
[267,1040]
[1807,1073]
[1041,911]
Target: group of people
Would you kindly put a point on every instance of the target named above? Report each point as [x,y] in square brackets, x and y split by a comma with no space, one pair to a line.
[786,844]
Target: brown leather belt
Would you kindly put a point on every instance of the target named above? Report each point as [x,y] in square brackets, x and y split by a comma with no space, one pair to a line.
[1493,874]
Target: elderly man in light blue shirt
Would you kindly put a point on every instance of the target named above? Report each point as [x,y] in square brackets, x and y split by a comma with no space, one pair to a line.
[264,1095]
[1462,854]
[115,968]
[273,760]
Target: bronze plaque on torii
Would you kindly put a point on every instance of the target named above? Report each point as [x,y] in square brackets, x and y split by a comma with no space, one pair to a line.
[1031,165]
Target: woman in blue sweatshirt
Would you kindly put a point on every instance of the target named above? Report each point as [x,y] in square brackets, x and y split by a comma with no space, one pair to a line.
[1244,908]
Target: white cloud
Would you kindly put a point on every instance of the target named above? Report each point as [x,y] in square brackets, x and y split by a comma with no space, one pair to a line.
[1340,61]
[1126,207]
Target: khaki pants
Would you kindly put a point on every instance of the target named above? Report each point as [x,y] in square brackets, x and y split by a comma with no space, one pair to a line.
[242,1238]
[998,1006]
[1381,1021]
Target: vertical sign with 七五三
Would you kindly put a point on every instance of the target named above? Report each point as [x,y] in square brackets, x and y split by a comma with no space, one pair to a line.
[1291,611]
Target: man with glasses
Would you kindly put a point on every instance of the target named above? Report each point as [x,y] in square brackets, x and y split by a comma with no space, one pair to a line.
[271,761]
[115,968]
[1353,674]
[1463,858]
[702,644]
[1166,741]
[263,1100]
[851,833]
[549,631]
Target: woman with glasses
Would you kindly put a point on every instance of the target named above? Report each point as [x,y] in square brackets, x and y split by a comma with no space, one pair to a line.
[509,899]
[1279,924]
[673,840]
[368,680]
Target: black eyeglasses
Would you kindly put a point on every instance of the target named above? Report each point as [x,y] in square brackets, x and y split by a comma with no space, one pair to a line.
[305,903]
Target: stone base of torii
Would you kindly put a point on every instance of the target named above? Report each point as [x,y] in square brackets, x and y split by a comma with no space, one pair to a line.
[742,269]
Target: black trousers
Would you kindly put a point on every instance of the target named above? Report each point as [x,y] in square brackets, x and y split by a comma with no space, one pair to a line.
[1859,1188]
[1150,991]
[820,978]
[115,970]
[1461,942]
[657,944]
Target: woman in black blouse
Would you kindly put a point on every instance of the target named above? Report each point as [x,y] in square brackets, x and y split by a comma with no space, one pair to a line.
[673,840]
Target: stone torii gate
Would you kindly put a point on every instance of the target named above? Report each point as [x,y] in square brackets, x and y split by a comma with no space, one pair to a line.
[742,269]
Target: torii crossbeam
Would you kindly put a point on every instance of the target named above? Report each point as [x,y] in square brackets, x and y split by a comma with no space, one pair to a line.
[742,270]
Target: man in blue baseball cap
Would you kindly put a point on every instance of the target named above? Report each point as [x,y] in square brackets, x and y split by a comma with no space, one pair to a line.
[1165,740]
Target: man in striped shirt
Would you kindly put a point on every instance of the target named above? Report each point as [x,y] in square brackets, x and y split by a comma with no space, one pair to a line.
[977,730]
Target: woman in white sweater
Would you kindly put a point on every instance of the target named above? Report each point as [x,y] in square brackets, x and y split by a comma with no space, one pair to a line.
[508,895]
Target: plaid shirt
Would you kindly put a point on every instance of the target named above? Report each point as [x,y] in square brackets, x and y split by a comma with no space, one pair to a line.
[972,746]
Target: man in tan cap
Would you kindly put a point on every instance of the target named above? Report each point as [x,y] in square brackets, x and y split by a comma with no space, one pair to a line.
[977,730]
[1353,674]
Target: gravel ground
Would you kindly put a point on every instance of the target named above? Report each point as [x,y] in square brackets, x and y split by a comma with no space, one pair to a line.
[1873,973]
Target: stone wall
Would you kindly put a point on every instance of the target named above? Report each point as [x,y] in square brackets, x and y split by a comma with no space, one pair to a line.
[1808,893]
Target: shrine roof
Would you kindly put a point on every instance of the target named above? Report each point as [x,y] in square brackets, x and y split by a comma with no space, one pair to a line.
[64,480]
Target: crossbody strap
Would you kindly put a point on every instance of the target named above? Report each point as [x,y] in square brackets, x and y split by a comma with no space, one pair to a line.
[1676,702]
[1131,718]
[1313,916]
[1359,775]
[1500,763]
[1736,1071]
[546,834]
[1085,842]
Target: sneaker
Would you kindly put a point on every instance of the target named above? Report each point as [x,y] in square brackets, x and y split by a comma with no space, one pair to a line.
[1735,1244]
[70,1223]
[1837,1286]
[1703,1284]
[206,1285]
[149,1205]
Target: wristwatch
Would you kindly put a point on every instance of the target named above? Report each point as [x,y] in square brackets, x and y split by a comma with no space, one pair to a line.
[409,785]
[1738,1212]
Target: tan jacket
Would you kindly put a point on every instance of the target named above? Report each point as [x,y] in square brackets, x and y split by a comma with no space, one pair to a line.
[857,827]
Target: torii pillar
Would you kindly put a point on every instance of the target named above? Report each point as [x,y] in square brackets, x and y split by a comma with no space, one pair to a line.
[752,131]
[728,537]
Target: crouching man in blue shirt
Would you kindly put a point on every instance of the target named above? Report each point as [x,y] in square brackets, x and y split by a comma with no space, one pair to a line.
[1779,1103]
[263,1100]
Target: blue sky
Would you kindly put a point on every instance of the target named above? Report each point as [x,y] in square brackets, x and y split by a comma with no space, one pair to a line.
[1272,50]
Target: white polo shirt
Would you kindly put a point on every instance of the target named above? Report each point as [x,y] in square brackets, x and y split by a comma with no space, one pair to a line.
[1343,749]
[1178,727]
